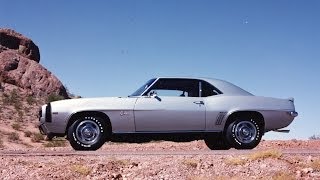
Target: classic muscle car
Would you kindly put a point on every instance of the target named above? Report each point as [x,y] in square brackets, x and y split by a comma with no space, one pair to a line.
[225,115]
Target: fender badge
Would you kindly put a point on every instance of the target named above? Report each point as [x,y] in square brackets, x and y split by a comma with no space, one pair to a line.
[123,113]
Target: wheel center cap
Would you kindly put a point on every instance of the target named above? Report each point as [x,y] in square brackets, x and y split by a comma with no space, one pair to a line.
[87,132]
[245,132]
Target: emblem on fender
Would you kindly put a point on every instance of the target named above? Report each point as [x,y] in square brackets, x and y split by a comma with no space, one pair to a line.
[123,113]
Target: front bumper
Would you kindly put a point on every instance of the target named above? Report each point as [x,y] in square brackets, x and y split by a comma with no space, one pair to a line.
[43,129]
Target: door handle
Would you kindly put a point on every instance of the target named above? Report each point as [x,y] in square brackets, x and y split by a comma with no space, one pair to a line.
[199,102]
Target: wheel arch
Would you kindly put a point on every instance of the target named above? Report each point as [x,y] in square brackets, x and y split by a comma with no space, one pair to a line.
[77,115]
[247,113]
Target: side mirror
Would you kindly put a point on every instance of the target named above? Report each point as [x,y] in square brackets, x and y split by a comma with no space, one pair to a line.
[153,94]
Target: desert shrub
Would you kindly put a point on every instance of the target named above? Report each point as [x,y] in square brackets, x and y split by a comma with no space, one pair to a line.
[54,97]
[283,176]
[13,136]
[55,143]
[11,98]
[1,143]
[16,126]
[314,137]
[236,161]
[190,163]
[265,154]
[81,169]
[275,154]
[20,115]
[315,164]
[27,134]
[37,137]
[31,100]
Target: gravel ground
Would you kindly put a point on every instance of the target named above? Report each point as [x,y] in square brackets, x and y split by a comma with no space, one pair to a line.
[266,163]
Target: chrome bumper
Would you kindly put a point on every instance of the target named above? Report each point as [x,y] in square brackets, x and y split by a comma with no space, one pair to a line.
[293,113]
[43,129]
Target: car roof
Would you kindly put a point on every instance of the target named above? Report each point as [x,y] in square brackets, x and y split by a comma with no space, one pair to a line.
[225,87]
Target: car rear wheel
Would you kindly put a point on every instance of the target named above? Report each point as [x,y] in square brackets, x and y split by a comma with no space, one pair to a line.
[216,142]
[87,133]
[244,133]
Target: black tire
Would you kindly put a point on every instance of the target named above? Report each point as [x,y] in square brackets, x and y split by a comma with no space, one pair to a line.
[244,133]
[216,142]
[88,133]
[49,137]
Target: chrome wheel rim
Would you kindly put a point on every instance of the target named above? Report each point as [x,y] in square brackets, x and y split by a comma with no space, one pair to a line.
[88,132]
[245,131]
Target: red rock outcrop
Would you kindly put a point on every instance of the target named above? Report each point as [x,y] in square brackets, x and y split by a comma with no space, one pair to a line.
[20,67]
[9,39]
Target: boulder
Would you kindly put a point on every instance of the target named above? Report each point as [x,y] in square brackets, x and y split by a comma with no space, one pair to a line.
[9,39]
[28,75]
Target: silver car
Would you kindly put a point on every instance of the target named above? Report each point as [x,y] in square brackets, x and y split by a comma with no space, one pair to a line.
[222,114]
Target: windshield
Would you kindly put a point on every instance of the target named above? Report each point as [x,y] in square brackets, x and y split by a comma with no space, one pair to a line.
[143,88]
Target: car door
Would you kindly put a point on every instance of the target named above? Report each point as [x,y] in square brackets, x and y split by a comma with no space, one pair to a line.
[176,107]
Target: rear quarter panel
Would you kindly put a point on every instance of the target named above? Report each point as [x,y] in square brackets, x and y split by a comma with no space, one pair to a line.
[273,110]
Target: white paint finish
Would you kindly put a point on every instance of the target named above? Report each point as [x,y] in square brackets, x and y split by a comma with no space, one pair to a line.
[169,114]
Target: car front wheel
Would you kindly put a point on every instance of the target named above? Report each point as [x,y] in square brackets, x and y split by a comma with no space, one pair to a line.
[244,133]
[87,133]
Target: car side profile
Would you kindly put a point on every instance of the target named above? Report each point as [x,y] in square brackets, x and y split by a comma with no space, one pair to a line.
[225,115]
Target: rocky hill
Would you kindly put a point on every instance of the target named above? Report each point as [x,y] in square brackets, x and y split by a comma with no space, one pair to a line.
[20,68]
[24,86]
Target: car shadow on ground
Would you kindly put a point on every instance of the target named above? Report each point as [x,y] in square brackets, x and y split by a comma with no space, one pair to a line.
[144,138]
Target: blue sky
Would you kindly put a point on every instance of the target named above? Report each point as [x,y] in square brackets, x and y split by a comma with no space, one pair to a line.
[109,48]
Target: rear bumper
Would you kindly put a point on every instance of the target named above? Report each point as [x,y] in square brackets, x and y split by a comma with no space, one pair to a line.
[293,113]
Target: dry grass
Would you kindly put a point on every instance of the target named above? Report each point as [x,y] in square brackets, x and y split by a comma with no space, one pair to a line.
[27,134]
[190,163]
[13,137]
[121,162]
[236,161]
[265,154]
[56,143]
[283,176]
[194,177]
[37,137]
[16,126]
[31,100]
[198,178]
[254,156]
[315,164]
[81,169]
[1,143]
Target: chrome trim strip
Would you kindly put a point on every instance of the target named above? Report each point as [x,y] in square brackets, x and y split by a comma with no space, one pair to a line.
[164,132]
[282,130]
[200,88]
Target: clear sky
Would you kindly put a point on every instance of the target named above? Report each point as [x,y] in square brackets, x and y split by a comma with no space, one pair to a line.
[109,48]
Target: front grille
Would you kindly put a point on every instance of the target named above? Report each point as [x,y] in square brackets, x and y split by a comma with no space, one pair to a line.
[48,115]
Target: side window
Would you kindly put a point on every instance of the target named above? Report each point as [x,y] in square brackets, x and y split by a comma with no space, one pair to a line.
[175,87]
[209,90]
